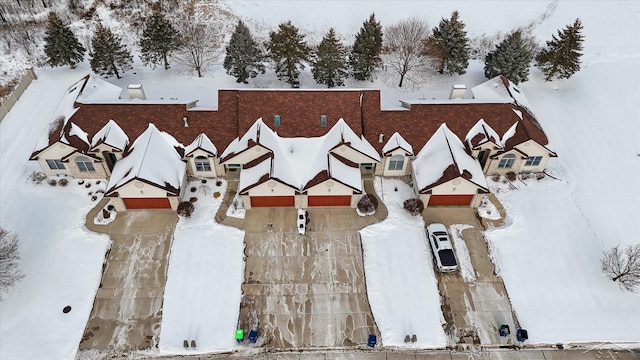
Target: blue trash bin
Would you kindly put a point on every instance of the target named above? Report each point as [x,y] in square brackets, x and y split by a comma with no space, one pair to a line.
[522,335]
[253,336]
[372,340]
[504,330]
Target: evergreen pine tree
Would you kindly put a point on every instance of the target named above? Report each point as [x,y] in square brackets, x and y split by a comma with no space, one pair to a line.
[159,38]
[330,65]
[61,46]
[510,58]
[453,45]
[365,54]
[288,49]
[561,56]
[244,58]
[109,53]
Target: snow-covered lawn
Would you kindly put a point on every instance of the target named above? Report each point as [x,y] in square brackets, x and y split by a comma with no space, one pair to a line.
[401,284]
[206,270]
[462,252]
[549,258]
[61,259]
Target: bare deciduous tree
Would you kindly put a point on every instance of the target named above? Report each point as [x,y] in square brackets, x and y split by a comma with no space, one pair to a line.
[623,266]
[9,258]
[403,47]
[198,42]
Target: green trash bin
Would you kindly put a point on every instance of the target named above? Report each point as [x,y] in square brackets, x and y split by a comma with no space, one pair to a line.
[240,335]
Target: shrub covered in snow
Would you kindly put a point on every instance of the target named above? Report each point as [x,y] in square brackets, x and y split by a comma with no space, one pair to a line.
[38,177]
[63,182]
[414,206]
[511,176]
[368,204]
[185,208]
[623,266]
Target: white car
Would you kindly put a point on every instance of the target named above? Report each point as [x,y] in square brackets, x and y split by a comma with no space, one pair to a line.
[442,247]
[302,221]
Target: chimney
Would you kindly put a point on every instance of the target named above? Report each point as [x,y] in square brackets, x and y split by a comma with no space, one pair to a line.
[136,91]
[458,92]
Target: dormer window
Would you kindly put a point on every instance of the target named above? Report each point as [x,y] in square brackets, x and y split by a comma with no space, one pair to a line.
[276,120]
[323,120]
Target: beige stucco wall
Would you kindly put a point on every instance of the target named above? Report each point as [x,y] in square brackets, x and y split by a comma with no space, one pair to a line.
[336,189]
[354,200]
[490,149]
[301,202]
[272,188]
[174,201]
[118,203]
[532,148]
[406,167]
[53,152]
[138,189]
[352,155]
[424,198]
[248,155]
[492,167]
[99,173]
[477,199]
[246,201]
[191,165]
[457,186]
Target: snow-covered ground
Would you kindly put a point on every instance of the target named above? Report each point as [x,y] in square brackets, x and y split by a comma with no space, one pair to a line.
[462,252]
[61,259]
[558,229]
[206,270]
[401,284]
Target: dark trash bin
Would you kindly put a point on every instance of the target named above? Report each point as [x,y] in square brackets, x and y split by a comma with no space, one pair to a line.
[253,336]
[504,330]
[522,335]
[372,340]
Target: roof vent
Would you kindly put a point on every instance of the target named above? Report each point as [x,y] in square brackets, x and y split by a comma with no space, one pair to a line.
[381,138]
[136,91]
[186,123]
[458,92]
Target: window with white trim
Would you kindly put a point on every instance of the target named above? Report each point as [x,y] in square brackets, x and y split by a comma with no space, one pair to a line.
[507,161]
[55,164]
[396,162]
[533,161]
[202,163]
[84,164]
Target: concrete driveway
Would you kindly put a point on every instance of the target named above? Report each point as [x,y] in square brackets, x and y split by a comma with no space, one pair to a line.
[305,291]
[127,310]
[473,310]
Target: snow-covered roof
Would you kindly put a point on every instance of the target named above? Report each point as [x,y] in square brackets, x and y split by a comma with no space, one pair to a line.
[348,175]
[202,142]
[150,159]
[298,160]
[397,141]
[251,175]
[96,90]
[493,90]
[508,134]
[444,158]
[111,134]
[481,133]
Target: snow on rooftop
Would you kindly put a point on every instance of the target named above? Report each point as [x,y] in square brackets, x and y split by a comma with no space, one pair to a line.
[251,175]
[203,142]
[97,89]
[298,160]
[397,141]
[152,159]
[344,173]
[75,130]
[508,134]
[111,134]
[483,129]
[442,150]
[492,90]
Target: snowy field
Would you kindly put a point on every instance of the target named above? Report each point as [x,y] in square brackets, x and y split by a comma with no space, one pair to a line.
[401,284]
[558,229]
[61,259]
[206,270]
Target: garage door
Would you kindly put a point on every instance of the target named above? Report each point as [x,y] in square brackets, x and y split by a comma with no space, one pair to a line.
[147,203]
[265,201]
[330,200]
[450,200]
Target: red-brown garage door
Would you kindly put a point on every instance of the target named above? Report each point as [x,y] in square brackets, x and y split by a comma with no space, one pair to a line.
[147,203]
[450,200]
[330,200]
[265,201]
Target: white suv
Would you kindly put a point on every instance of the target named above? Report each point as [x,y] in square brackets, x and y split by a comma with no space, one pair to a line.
[442,248]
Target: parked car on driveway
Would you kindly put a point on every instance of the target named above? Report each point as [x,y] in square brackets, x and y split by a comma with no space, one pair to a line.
[442,247]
